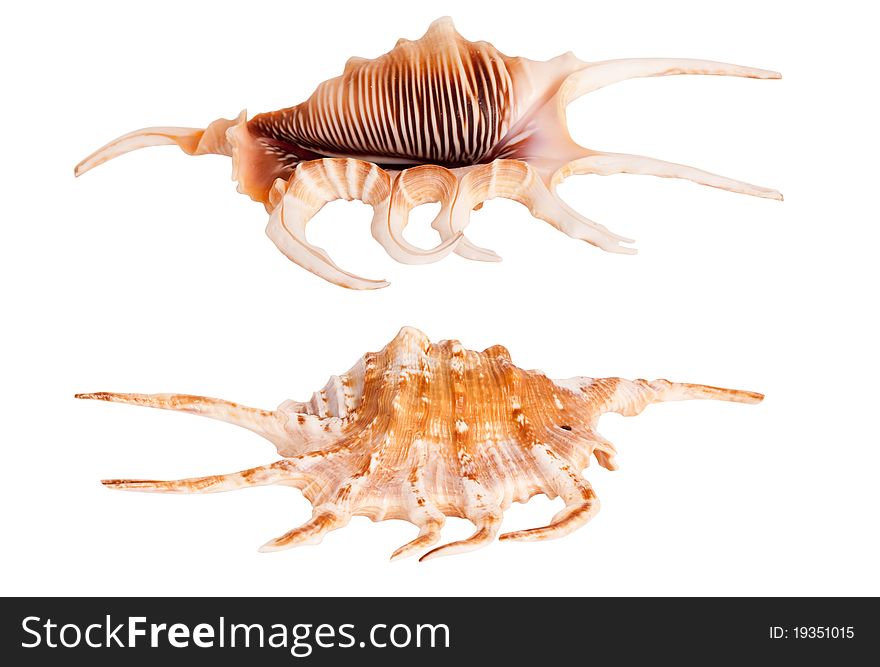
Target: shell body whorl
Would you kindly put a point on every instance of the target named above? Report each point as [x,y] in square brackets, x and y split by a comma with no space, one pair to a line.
[438,100]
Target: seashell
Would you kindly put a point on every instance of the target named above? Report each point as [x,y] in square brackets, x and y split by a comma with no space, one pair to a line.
[421,431]
[440,119]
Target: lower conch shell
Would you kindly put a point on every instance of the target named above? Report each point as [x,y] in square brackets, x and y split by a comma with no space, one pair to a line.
[438,119]
[421,431]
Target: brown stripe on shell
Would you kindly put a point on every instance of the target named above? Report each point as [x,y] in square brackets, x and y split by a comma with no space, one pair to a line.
[440,100]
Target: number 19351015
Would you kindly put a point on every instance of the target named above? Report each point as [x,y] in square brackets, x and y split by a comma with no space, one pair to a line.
[813,632]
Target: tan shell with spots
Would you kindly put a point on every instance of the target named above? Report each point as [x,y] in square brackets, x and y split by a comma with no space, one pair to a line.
[438,119]
[420,431]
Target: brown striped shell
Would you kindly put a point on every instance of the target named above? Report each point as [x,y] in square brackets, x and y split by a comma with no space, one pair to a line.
[421,431]
[439,119]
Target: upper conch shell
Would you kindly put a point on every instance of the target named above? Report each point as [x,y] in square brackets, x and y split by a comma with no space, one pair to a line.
[440,119]
[421,431]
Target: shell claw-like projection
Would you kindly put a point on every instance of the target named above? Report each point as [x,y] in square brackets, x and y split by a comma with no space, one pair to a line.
[439,119]
[429,535]
[487,528]
[191,140]
[581,504]
[311,532]
[421,431]
[605,164]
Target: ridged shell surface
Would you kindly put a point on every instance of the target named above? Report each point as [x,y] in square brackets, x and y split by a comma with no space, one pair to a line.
[441,100]
[420,431]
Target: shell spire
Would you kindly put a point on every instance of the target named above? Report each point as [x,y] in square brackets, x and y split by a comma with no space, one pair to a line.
[420,431]
[437,119]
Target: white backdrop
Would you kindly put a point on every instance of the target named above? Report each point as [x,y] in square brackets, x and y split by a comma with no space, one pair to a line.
[152,274]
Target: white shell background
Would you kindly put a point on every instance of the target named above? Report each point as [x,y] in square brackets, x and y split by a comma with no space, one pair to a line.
[153,274]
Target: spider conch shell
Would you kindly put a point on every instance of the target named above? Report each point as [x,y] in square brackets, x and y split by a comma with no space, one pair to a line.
[440,119]
[420,431]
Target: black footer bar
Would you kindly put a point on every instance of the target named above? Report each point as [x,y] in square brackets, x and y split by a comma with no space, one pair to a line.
[426,631]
